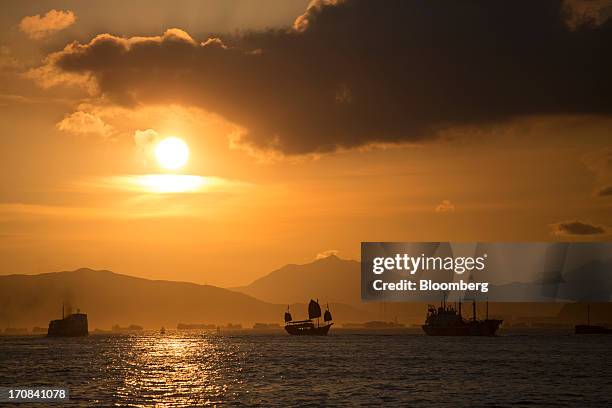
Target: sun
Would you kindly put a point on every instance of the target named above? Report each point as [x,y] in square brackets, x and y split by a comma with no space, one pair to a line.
[172,153]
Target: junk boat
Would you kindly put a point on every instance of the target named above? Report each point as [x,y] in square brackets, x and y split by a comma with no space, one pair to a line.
[589,328]
[446,321]
[309,327]
[70,325]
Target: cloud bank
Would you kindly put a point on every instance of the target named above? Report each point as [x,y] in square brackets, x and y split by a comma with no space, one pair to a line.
[37,27]
[352,73]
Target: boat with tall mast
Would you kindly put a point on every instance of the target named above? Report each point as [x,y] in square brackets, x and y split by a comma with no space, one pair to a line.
[589,328]
[310,327]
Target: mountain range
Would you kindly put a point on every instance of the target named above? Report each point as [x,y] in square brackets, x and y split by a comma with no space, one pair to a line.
[110,298]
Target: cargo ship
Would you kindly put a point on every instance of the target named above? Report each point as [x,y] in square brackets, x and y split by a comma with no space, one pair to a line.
[70,325]
[309,327]
[447,321]
[589,328]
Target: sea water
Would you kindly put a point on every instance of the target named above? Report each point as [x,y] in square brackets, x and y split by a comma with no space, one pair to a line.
[402,367]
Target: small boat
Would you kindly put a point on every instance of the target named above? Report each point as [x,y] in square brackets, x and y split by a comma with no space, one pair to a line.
[590,328]
[309,327]
[163,330]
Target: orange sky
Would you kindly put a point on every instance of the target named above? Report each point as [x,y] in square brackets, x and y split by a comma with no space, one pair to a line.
[70,160]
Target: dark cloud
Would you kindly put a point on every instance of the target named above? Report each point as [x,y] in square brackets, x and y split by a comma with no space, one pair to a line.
[360,72]
[605,191]
[577,228]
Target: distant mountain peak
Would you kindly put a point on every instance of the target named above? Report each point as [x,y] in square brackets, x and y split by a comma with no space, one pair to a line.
[330,279]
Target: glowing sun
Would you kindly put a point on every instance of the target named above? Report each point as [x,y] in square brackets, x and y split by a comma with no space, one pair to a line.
[172,153]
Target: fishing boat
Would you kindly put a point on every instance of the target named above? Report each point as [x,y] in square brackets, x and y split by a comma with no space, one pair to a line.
[310,327]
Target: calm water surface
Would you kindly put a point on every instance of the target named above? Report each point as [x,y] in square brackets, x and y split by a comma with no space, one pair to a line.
[345,368]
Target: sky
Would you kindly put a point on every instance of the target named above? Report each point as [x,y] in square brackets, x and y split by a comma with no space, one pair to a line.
[311,126]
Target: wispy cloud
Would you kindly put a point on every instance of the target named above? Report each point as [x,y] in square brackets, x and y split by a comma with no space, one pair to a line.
[445,207]
[577,228]
[327,254]
[81,122]
[164,184]
[37,27]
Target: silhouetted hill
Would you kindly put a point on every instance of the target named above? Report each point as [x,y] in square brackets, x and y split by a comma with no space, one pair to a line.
[110,298]
[331,279]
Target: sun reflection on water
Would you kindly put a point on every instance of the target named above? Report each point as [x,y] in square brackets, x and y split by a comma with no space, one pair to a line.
[178,370]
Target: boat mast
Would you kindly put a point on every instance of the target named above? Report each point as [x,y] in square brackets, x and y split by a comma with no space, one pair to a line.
[588,314]
[474,310]
[487,315]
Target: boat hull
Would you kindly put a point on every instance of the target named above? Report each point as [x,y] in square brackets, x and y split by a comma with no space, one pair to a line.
[72,326]
[589,329]
[308,330]
[480,328]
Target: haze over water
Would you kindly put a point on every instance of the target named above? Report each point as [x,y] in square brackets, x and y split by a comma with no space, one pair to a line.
[348,367]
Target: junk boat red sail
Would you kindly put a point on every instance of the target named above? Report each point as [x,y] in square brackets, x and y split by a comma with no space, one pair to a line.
[309,327]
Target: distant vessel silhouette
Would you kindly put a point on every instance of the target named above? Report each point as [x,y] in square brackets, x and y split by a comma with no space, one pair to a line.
[163,330]
[589,328]
[308,327]
[379,324]
[130,328]
[70,325]
[196,326]
[446,321]
[266,326]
